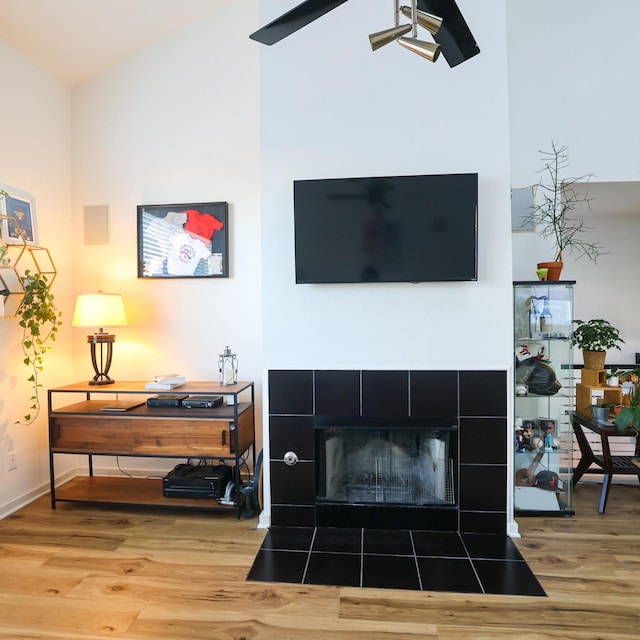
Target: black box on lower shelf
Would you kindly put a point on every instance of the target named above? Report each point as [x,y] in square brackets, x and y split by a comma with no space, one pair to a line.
[203,481]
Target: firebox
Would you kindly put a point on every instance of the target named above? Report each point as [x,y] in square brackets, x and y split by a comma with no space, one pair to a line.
[371,470]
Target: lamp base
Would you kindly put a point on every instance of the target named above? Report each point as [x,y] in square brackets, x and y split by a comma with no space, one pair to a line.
[102,381]
[102,365]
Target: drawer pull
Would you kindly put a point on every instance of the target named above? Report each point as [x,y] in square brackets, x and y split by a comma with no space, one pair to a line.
[224,438]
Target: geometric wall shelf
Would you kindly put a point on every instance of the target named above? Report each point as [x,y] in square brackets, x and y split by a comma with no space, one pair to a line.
[16,261]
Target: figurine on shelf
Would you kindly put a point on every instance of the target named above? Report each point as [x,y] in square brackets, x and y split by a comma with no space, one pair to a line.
[548,428]
[519,439]
[527,435]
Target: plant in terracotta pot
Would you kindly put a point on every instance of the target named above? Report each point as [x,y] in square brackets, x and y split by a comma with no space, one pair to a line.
[595,337]
[551,213]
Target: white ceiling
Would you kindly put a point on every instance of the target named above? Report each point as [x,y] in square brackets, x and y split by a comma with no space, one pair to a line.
[76,40]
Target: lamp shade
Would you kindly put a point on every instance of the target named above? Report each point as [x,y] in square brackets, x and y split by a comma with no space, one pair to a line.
[427,20]
[99,310]
[380,38]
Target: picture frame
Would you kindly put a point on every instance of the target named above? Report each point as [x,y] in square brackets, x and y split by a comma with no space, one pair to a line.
[18,210]
[183,240]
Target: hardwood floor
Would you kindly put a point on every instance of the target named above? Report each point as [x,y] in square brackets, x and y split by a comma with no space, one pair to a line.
[89,572]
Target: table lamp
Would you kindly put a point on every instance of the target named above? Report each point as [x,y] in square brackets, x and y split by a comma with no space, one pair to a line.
[100,310]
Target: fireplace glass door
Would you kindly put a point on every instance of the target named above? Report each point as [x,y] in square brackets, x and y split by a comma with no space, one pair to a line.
[392,466]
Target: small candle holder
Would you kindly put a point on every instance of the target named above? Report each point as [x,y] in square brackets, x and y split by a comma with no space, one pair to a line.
[228,367]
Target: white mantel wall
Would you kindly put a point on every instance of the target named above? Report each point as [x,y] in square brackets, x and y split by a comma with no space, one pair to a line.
[333,108]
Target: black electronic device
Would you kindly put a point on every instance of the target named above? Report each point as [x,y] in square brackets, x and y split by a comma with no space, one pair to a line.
[201,481]
[167,400]
[202,402]
[420,228]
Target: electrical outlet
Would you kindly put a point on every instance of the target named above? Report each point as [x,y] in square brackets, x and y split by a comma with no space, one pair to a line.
[11,461]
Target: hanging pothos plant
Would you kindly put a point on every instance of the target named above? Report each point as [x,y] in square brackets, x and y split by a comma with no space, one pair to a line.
[39,318]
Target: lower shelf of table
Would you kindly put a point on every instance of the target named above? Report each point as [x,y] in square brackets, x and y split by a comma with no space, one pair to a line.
[129,491]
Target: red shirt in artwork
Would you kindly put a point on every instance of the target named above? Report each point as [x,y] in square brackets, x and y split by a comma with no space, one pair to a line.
[203,225]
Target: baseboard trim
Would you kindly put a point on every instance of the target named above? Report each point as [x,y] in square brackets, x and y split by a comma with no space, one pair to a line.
[22,501]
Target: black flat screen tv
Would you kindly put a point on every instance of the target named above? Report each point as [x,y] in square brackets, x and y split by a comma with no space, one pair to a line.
[386,229]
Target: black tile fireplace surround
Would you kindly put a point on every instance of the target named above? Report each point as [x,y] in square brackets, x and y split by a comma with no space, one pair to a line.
[474,401]
[461,547]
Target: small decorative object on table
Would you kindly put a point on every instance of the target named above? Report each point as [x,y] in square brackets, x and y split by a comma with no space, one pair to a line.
[228,367]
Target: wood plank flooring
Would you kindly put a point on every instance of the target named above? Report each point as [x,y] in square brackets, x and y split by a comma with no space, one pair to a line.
[88,572]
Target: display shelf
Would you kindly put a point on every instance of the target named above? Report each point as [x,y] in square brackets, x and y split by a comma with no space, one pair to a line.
[543,397]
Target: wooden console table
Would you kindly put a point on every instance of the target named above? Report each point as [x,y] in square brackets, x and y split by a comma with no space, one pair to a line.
[609,464]
[78,424]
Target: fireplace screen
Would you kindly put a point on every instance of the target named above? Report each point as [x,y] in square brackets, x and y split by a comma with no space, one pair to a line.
[390,466]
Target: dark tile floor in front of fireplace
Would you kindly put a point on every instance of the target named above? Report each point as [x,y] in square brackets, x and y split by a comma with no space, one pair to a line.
[394,559]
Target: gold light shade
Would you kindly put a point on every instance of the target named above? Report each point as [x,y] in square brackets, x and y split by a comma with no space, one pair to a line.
[427,20]
[380,38]
[428,50]
[99,310]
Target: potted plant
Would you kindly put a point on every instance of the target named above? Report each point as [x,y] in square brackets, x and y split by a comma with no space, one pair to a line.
[39,319]
[601,412]
[556,199]
[595,337]
[613,377]
[629,416]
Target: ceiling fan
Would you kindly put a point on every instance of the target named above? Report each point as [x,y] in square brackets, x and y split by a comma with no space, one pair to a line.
[456,41]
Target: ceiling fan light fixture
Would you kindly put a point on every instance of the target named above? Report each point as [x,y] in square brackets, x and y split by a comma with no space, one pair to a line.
[430,22]
[428,50]
[380,38]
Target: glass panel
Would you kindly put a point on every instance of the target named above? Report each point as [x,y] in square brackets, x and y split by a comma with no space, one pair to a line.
[390,466]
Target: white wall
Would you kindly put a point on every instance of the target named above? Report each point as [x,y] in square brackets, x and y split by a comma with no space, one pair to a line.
[177,123]
[572,79]
[196,118]
[34,129]
[332,108]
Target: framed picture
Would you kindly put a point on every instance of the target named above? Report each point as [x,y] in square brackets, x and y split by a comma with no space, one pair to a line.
[19,207]
[183,240]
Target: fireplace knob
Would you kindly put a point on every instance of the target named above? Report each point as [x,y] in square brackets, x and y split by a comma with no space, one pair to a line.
[290,458]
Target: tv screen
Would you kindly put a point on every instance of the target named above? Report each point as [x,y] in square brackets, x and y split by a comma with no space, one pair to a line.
[386,229]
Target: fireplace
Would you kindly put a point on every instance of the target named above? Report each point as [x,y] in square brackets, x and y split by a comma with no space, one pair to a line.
[372,471]
[389,449]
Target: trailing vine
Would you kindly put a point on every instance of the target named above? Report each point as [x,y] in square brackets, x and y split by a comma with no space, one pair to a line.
[39,319]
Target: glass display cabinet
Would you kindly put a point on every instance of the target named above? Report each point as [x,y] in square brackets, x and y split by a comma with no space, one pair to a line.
[543,397]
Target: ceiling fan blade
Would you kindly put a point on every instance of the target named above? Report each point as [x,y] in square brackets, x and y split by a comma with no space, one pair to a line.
[294,19]
[456,41]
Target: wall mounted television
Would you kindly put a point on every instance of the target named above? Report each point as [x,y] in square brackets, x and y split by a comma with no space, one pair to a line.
[420,228]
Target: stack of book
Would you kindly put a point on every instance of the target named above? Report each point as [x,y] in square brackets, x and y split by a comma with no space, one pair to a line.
[166,381]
